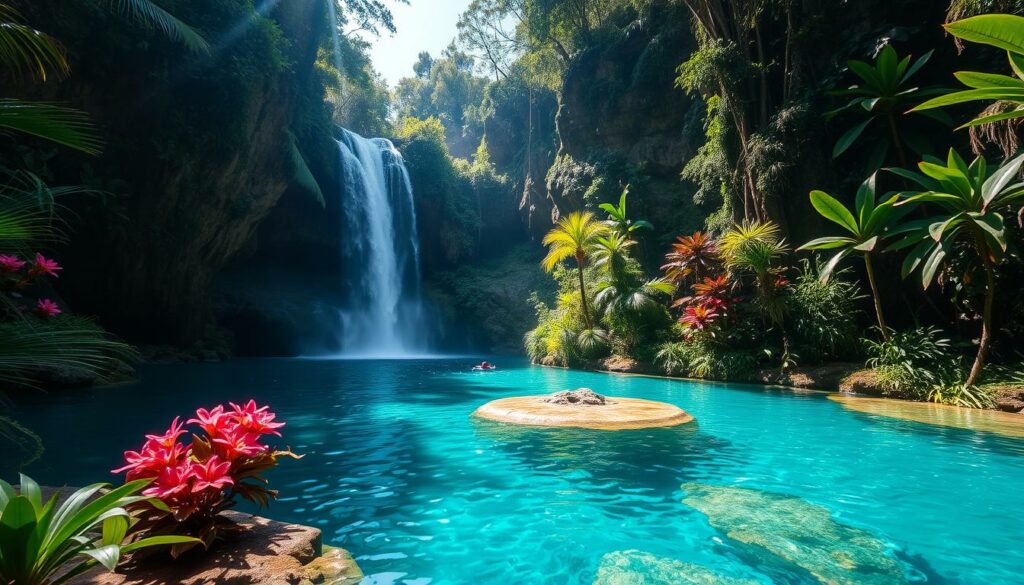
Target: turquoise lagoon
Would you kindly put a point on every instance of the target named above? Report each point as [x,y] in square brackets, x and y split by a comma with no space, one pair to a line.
[397,472]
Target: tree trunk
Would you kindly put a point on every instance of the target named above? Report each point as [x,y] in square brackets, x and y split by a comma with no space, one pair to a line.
[986,326]
[583,292]
[877,297]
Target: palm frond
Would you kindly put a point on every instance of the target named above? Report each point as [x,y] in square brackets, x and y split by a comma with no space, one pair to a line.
[27,51]
[28,347]
[51,122]
[149,13]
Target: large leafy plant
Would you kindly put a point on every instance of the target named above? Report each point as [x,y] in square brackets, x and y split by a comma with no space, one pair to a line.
[883,93]
[618,221]
[197,481]
[970,201]
[46,543]
[867,225]
[1004,31]
[694,255]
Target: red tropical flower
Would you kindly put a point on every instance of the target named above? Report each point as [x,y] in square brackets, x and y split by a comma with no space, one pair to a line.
[10,263]
[212,474]
[234,443]
[47,308]
[214,421]
[255,419]
[171,482]
[43,265]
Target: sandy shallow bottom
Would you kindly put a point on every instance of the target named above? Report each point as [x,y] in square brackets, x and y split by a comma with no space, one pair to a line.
[1003,423]
[616,414]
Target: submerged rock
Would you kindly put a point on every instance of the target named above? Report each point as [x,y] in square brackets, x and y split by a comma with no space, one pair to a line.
[634,567]
[580,396]
[799,532]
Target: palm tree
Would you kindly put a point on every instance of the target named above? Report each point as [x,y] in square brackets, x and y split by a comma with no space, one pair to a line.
[574,236]
[622,288]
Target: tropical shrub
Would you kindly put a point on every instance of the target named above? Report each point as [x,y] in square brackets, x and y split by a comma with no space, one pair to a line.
[694,256]
[971,201]
[618,221]
[824,314]
[574,236]
[43,543]
[921,364]
[867,226]
[196,481]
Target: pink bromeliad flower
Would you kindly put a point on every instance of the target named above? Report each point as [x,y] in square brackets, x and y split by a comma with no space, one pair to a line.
[255,419]
[212,474]
[44,265]
[152,458]
[170,437]
[214,421]
[47,308]
[10,263]
[171,481]
[235,443]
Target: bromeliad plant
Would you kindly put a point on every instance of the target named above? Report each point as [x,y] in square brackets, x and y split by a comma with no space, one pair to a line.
[868,225]
[971,201]
[43,543]
[695,255]
[197,481]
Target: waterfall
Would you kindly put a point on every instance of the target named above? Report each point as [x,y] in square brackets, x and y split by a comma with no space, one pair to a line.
[382,314]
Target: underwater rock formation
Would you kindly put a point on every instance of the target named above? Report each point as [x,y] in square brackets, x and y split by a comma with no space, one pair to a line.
[798,532]
[634,567]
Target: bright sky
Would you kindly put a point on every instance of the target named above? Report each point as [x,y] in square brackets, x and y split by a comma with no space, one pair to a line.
[423,25]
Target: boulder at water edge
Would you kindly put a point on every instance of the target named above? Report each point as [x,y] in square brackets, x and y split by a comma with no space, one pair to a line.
[798,532]
[634,567]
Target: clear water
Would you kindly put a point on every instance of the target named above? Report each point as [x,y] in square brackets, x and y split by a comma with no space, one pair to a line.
[398,473]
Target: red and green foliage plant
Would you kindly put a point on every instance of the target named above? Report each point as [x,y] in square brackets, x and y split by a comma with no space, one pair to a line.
[695,255]
[226,457]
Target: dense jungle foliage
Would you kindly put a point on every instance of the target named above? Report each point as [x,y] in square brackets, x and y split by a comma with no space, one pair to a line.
[724,189]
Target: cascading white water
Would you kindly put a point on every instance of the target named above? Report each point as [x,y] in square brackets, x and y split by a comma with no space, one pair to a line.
[383,311]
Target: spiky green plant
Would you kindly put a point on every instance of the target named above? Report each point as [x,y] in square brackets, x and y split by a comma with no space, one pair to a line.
[574,236]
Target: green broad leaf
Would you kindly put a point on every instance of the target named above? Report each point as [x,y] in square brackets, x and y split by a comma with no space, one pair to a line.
[918,64]
[17,524]
[830,266]
[993,226]
[78,513]
[950,178]
[915,256]
[886,215]
[938,229]
[849,137]
[865,72]
[932,264]
[833,210]
[1011,115]
[158,541]
[108,555]
[870,104]
[6,493]
[865,200]
[994,185]
[867,245]
[1016,63]
[978,80]
[30,489]
[827,243]
[114,530]
[642,223]
[901,68]
[922,180]
[1005,31]
[887,66]
[972,95]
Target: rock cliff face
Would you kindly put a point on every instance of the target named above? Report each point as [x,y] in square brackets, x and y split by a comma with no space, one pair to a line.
[619,99]
[197,155]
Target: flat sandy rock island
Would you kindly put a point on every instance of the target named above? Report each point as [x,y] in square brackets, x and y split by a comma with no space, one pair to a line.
[583,409]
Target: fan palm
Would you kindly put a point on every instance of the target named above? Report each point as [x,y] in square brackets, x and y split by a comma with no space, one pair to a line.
[867,226]
[972,200]
[574,236]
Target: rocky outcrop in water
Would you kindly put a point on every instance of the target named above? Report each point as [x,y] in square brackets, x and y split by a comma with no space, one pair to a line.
[779,526]
[577,397]
[634,567]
